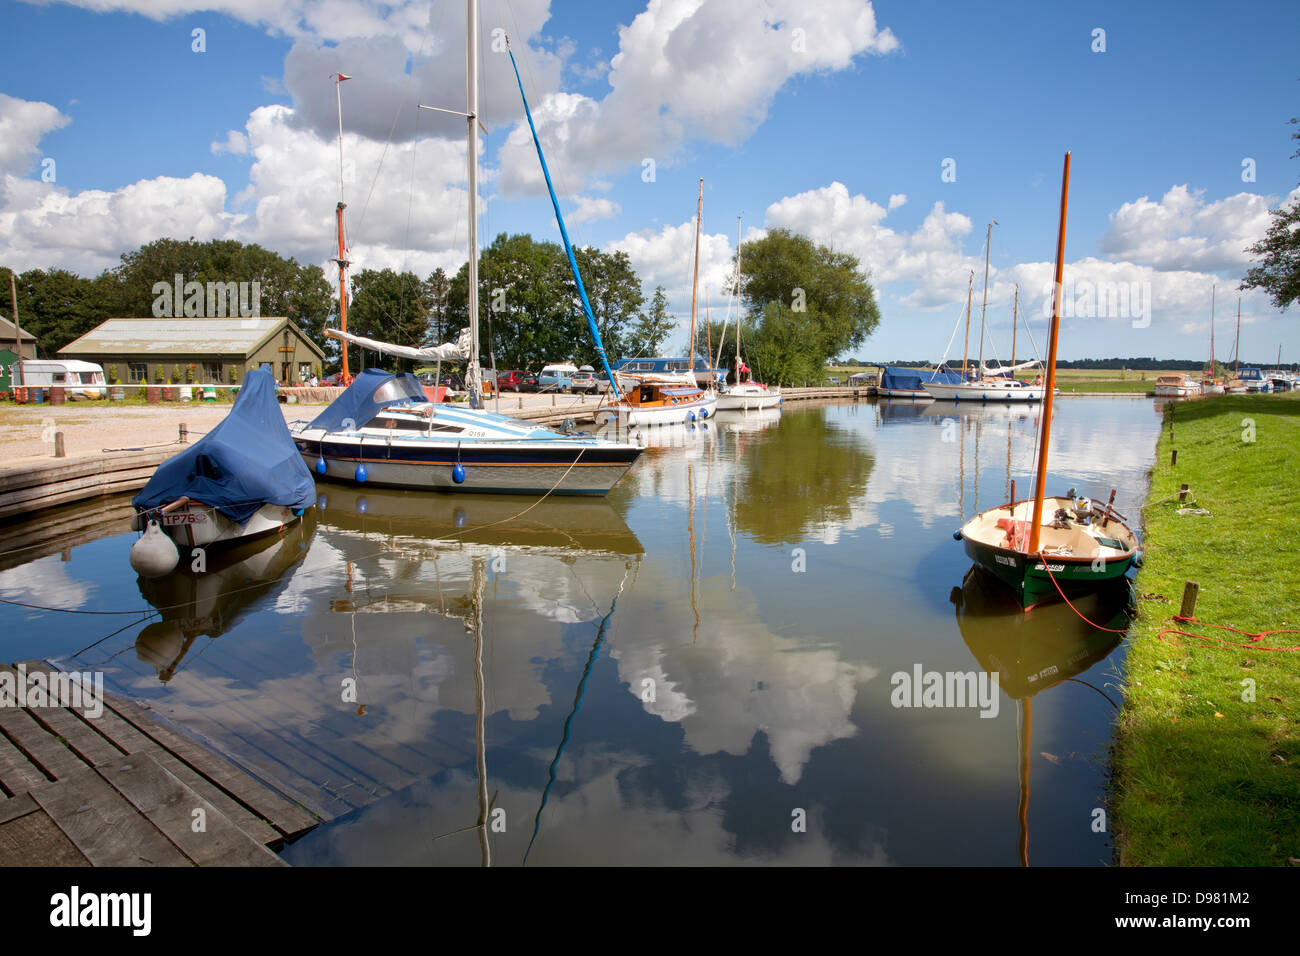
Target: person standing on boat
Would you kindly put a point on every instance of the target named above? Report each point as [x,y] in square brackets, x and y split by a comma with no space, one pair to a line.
[742,371]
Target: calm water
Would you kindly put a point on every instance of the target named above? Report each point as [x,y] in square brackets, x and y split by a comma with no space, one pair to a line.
[697,670]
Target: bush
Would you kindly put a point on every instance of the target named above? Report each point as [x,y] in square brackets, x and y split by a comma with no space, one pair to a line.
[232,376]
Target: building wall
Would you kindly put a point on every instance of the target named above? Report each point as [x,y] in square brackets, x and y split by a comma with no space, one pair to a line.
[160,368]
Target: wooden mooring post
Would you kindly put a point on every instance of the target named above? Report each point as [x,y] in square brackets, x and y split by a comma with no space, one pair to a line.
[59,451]
[1173,458]
[1182,492]
[1190,591]
[184,434]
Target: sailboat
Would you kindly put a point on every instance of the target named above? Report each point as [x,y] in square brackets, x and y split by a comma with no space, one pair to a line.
[383,429]
[987,384]
[1079,547]
[1236,386]
[744,395]
[651,398]
[1210,385]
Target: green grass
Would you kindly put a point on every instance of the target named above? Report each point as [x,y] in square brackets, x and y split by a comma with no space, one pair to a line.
[1204,776]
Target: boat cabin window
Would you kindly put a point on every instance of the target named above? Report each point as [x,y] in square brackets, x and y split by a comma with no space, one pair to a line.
[397,388]
[647,394]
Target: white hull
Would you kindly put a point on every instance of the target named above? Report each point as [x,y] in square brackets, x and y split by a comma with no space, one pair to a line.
[634,417]
[985,392]
[195,525]
[1211,389]
[1177,391]
[747,397]
[912,393]
[518,479]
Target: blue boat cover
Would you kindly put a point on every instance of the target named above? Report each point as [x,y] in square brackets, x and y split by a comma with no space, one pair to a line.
[246,461]
[917,378]
[369,392]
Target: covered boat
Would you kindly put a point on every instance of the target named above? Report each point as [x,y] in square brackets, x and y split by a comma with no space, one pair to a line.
[242,479]
[912,382]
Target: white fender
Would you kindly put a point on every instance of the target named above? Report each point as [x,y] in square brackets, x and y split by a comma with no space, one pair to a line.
[154,554]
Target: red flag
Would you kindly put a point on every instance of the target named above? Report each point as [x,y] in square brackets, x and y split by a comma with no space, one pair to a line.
[343,76]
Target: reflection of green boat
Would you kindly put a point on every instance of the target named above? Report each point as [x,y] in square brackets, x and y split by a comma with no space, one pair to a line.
[569,524]
[1032,653]
[210,602]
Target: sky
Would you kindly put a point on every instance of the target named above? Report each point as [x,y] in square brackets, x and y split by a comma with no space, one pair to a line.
[894,131]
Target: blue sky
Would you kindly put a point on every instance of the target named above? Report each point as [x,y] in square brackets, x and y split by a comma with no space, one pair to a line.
[150,138]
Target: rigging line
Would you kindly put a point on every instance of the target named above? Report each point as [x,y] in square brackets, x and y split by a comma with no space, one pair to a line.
[396,115]
[568,723]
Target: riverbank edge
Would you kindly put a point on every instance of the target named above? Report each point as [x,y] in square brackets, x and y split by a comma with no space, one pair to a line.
[1206,754]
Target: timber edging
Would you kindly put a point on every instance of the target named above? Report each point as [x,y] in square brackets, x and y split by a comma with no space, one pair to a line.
[29,488]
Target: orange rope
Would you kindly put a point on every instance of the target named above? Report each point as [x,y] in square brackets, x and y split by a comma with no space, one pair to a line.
[1112,630]
[1220,642]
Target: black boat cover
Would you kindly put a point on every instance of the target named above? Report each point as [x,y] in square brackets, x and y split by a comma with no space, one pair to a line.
[248,460]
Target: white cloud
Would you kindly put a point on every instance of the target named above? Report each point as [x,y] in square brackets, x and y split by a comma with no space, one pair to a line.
[22,125]
[667,257]
[690,69]
[896,200]
[591,207]
[1183,231]
[235,143]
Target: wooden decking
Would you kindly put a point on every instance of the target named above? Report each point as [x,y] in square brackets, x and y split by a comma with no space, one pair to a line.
[122,789]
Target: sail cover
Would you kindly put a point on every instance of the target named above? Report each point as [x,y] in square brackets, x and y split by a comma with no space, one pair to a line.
[912,378]
[246,461]
[369,392]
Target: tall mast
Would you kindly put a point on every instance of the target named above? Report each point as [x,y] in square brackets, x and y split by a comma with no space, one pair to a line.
[19,380]
[1015,307]
[695,276]
[473,378]
[1044,441]
[1212,367]
[738,244]
[342,259]
[965,348]
[988,247]
[1236,348]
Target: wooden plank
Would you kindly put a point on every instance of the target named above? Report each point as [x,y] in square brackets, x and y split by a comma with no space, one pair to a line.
[288,818]
[171,806]
[17,773]
[76,734]
[69,497]
[238,814]
[55,488]
[34,840]
[27,475]
[40,746]
[126,737]
[16,807]
[103,825]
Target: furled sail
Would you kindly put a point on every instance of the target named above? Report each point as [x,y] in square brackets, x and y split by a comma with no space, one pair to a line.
[564,234]
[457,351]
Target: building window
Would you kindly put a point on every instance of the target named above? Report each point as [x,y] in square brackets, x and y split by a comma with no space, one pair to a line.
[136,372]
[211,372]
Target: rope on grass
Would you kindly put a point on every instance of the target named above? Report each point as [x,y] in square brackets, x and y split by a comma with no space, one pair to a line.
[1214,641]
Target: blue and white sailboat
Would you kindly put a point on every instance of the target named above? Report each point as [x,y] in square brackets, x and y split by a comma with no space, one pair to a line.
[384,431]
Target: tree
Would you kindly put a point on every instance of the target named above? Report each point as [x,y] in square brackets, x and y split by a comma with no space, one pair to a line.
[615,295]
[58,306]
[388,306]
[647,336]
[808,303]
[437,292]
[1278,273]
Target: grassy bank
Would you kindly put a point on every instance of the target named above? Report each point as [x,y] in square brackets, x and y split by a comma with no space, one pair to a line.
[1207,758]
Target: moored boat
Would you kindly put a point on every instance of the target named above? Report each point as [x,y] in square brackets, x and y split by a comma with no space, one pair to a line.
[1051,546]
[243,479]
[1177,385]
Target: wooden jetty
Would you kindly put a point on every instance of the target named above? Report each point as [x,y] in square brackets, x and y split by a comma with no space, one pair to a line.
[63,480]
[79,787]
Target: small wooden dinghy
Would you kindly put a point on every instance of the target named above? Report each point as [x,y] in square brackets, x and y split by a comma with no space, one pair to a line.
[1051,546]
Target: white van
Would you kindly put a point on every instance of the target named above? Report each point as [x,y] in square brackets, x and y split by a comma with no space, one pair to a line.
[81,379]
[556,378]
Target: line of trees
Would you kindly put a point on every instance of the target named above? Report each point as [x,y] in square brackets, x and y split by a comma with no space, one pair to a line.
[802,303]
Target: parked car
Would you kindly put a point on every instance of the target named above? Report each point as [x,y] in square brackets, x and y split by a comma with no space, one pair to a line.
[333,380]
[602,382]
[582,381]
[557,377]
[508,381]
[528,383]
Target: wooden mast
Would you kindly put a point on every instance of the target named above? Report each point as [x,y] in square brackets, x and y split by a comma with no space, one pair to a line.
[988,247]
[738,314]
[342,259]
[1212,368]
[1049,388]
[965,348]
[695,276]
[1015,307]
[1236,348]
[19,380]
